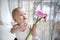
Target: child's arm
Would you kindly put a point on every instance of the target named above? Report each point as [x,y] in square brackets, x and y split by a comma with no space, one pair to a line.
[34,30]
[14,29]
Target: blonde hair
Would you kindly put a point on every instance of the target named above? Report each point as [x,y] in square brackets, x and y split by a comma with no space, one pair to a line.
[14,11]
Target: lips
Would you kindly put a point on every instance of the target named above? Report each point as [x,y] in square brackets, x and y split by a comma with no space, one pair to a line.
[24,18]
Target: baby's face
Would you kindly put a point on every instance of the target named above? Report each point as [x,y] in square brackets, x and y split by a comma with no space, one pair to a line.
[21,16]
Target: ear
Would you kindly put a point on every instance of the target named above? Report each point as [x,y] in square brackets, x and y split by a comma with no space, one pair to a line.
[14,19]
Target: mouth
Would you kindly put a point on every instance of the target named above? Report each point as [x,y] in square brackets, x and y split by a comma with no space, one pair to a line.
[24,18]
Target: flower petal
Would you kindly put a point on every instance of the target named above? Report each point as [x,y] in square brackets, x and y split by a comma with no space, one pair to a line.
[39,13]
[45,15]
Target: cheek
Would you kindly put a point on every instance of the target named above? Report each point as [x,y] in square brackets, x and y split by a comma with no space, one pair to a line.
[20,18]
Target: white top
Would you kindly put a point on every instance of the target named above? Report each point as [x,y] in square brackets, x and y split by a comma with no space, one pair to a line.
[22,35]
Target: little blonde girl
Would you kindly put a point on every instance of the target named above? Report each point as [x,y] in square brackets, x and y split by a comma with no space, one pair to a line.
[22,28]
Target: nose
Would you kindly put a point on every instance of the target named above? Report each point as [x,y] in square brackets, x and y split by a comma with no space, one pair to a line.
[23,15]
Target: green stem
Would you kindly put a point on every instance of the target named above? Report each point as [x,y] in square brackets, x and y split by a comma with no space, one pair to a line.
[38,19]
[32,28]
[28,34]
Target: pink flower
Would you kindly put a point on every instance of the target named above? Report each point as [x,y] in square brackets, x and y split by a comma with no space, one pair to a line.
[41,14]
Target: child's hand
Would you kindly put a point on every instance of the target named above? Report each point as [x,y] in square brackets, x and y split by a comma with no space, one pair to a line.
[34,27]
[14,29]
[34,30]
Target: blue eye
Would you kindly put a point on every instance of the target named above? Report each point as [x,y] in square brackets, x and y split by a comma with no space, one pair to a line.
[24,13]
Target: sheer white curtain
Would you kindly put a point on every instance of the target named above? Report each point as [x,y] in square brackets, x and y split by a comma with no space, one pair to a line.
[5,14]
[6,7]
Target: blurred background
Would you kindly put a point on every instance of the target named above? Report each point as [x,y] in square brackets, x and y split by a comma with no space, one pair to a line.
[45,31]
